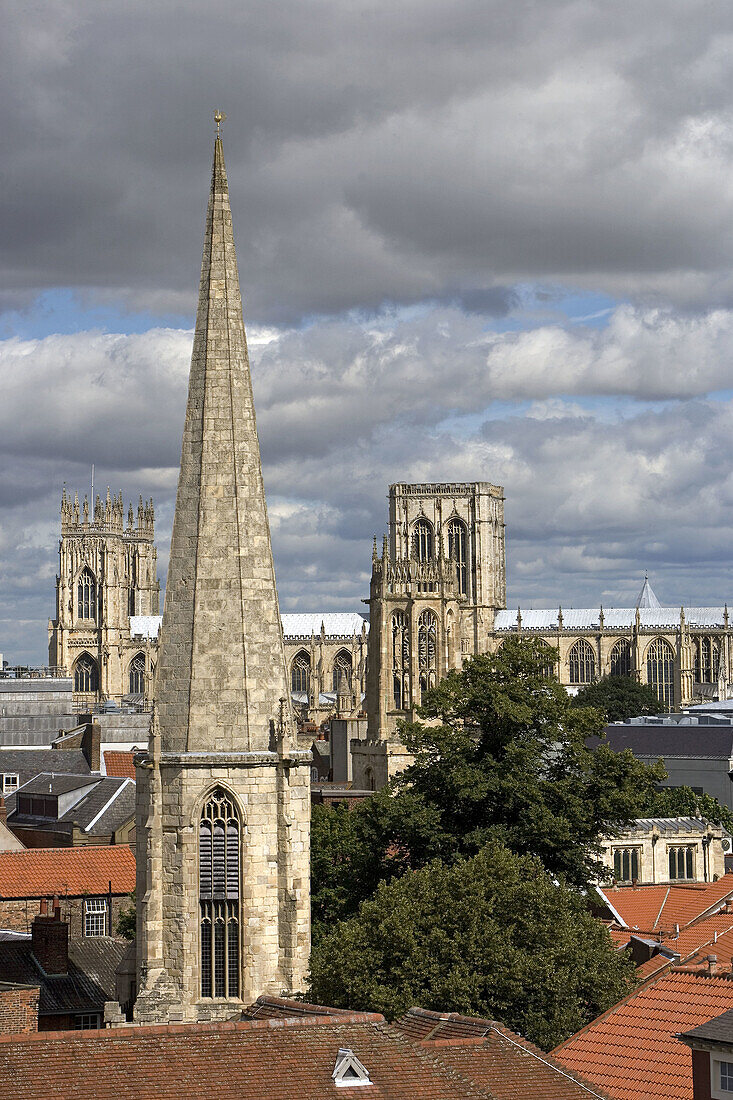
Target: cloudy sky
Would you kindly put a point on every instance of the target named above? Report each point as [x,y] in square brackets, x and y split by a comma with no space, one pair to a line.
[477,239]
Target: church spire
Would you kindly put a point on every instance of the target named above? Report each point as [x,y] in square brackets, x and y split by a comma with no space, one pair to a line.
[221,672]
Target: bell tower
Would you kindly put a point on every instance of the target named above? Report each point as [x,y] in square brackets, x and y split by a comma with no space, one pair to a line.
[223,813]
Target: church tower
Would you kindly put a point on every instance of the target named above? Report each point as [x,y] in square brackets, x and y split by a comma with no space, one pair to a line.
[223,793]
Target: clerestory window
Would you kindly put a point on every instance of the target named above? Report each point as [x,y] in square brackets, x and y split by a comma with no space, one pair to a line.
[581,663]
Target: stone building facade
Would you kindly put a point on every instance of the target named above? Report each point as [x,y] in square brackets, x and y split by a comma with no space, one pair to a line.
[223,812]
[666,850]
[326,654]
[107,585]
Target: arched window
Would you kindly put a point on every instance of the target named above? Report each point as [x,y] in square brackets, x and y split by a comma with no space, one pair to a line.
[707,659]
[86,596]
[342,667]
[549,671]
[86,675]
[137,674]
[457,552]
[660,670]
[427,646]
[219,848]
[582,663]
[300,673]
[621,658]
[422,540]
[400,661]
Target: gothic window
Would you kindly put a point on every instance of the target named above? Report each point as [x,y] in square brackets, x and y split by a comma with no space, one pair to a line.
[457,552]
[86,596]
[582,663]
[219,848]
[660,670]
[342,667]
[682,862]
[549,670]
[427,637]
[137,675]
[621,658]
[707,658]
[625,864]
[422,540]
[300,673]
[86,675]
[400,661]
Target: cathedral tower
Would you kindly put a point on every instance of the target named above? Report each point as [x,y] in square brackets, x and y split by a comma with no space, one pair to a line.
[223,794]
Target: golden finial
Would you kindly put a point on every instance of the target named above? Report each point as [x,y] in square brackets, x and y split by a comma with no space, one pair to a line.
[219,117]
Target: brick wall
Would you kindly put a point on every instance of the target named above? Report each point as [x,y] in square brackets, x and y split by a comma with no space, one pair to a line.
[16,914]
[18,1009]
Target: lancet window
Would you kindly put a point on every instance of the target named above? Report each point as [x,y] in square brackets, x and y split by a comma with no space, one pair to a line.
[86,596]
[400,661]
[137,674]
[86,675]
[342,667]
[422,540]
[457,541]
[707,659]
[219,896]
[300,673]
[581,663]
[660,670]
[620,664]
[427,646]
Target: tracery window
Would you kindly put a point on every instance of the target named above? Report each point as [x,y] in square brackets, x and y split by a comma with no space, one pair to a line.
[625,864]
[581,663]
[219,859]
[427,645]
[400,661]
[300,673]
[707,659]
[682,862]
[457,540]
[86,675]
[422,540]
[621,658]
[660,670]
[86,596]
[342,667]
[137,674]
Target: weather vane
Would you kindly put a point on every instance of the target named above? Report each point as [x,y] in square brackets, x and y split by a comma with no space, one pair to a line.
[219,117]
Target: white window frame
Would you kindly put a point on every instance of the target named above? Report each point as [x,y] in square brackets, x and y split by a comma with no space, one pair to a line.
[9,787]
[94,909]
[716,1062]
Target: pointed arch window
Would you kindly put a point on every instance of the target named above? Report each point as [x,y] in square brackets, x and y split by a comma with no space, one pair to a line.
[581,663]
[86,675]
[219,874]
[86,596]
[620,664]
[400,661]
[548,670]
[422,540]
[457,542]
[137,674]
[427,645]
[660,670]
[707,659]
[300,673]
[342,667]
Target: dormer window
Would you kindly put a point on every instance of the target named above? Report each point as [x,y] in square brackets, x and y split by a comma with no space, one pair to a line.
[349,1071]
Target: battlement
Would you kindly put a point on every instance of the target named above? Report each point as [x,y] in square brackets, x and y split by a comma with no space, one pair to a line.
[108,517]
[447,489]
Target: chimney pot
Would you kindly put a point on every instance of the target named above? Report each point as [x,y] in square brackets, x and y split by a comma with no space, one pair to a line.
[712,961]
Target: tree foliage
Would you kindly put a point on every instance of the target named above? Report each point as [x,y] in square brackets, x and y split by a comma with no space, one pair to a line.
[684,802]
[618,698]
[492,936]
[126,921]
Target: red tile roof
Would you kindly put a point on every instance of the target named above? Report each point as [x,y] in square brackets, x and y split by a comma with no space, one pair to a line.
[40,872]
[656,908]
[631,1051]
[711,936]
[119,764]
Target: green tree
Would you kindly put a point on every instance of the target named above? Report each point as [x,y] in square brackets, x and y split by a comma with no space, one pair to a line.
[126,921]
[492,936]
[684,802]
[618,698]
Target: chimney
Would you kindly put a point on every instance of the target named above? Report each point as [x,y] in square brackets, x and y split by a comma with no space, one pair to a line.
[712,961]
[3,811]
[50,939]
[91,744]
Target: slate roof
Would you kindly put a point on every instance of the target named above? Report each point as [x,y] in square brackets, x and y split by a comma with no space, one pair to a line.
[119,764]
[90,980]
[717,1030]
[42,872]
[632,1051]
[713,742]
[28,763]
[653,908]
[107,806]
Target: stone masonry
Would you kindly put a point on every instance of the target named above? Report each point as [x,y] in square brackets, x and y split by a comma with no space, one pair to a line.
[223,719]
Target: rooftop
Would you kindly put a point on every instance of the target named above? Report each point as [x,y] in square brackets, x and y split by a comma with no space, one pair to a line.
[41,872]
[90,980]
[120,764]
[655,908]
[614,618]
[335,624]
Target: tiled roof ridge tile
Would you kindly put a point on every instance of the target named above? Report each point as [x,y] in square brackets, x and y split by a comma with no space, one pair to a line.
[134,1031]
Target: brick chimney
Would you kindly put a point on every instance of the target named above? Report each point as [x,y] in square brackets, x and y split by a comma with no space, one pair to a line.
[3,811]
[91,744]
[50,939]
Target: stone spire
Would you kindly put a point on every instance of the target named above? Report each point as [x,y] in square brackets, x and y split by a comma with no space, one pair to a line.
[221,671]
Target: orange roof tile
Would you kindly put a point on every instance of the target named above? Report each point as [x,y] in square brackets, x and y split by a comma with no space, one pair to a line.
[119,764]
[655,908]
[694,943]
[40,872]
[631,1052]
